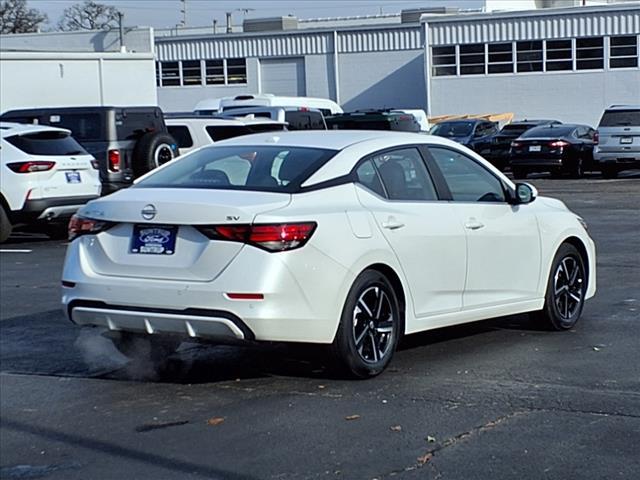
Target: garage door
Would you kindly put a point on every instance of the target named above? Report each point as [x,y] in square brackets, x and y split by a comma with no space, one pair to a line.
[283,76]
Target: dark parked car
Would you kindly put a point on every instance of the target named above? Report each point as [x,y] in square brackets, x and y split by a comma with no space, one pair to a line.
[498,151]
[559,149]
[476,134]
[377,119]
[126,141]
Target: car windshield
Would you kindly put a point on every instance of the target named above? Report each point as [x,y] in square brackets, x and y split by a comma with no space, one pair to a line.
[614,118]
[453,129]
[47,143]
[548,132]
[241,167]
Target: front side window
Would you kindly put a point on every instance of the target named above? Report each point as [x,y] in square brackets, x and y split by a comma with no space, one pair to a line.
[468,181]
[404,175]
[241,167]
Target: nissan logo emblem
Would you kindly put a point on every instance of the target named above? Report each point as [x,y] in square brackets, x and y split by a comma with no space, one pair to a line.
[149,212]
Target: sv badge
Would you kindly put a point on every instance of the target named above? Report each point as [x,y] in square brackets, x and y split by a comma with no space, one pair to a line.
[233,218]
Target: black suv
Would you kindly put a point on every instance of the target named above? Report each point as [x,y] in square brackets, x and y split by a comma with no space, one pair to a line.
[126,141]
[379,119]
[498,151]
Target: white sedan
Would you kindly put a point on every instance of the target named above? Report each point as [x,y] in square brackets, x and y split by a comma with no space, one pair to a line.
[345,238]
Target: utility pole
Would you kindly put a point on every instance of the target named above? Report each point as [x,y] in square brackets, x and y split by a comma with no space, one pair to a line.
[215,26]
[183,10]
[121,32]
[229,25]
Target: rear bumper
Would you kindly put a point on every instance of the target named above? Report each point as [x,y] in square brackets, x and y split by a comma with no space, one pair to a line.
[537,162]
[49,209]
[617,158]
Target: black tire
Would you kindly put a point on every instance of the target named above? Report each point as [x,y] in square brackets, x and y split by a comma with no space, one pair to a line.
[566,289]
[5,225]
[609,172]
[152,150]
[141,347]
[57,231]
[519,173]
[370,326]
[577,169]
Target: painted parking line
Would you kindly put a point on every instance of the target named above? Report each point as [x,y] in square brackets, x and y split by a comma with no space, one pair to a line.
[5,250]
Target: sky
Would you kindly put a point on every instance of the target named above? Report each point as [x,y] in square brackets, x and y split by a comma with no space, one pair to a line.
[167,13]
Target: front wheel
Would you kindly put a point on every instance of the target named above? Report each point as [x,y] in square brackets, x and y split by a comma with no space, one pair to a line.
[5,225]
[369,328]
[566,290]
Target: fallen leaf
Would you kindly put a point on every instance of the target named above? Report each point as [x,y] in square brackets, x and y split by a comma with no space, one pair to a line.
[396,428]
[321,386]
[352,417]
[596,349]
[425,458]
[215,421]
[431,439]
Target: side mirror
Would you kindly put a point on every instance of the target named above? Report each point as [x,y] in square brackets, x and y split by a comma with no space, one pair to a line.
[525,193]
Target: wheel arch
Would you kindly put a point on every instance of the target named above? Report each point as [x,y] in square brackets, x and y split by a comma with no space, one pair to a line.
[582,249]
[397,286]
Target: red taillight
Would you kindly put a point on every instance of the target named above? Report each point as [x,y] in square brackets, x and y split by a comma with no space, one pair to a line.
[30,167]
[596,137]
[516,144]
[114,160]
[245,296]
[81,226]
[276,237]
[95,164]
[559,144]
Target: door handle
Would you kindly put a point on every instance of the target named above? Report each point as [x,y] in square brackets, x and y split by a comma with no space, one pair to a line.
[392,224]
[473,224]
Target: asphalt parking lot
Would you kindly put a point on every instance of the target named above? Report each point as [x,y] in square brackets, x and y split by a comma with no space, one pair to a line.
[495,399]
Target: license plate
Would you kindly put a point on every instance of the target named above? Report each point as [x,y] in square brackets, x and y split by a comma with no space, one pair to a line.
[73,177]
[535,148]
[626,140]
[154,239]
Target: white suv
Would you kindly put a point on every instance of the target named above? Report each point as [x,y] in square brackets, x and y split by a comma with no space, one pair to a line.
[45,176]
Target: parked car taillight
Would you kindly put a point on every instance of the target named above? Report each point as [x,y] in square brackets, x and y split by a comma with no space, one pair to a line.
[114,160]
[79,225]
[559,144]
[31,166]
[516,144]
[95,164]
[596,137]
[276,237]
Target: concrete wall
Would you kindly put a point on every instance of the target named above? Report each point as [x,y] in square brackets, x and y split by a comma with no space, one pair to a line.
[569,96]
[382,79]
[30,80]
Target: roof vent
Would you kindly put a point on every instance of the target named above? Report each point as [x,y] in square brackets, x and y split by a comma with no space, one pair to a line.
[276,24]
[413,15]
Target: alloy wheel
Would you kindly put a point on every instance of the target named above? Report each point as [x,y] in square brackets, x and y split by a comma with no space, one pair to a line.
[373,324]
[162,155]
[568,287]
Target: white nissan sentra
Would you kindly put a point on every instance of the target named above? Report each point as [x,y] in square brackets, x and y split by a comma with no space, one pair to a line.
[345,238]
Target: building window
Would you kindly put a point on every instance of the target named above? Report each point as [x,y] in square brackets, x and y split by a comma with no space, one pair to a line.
[559,55]
[237,70]
[215,72]
[589,53]
[500,58]
[623,52]
[443,60]
[157,74]
[191,74]
[170,74]
[529,56]
[472,59]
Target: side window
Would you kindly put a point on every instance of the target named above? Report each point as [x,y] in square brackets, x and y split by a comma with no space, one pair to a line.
[404,175]
[181,134]
[467,180]
[368,176]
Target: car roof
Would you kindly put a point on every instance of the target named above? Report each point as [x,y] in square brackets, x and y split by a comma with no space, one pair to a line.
[11,128]
[334,139]
[563,126]
[536,121]
[624,107]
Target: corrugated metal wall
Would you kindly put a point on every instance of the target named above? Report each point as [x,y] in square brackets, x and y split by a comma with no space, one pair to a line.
[289,44]
[532,27]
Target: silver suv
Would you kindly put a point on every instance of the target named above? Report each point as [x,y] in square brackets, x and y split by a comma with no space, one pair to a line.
[619,140]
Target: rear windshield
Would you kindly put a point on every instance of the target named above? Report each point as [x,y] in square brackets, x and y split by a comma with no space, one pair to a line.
[615,118]
[515,129]
[83,126]
[223,132]
[240,167]
[547,132]
[453,129]
[47,143]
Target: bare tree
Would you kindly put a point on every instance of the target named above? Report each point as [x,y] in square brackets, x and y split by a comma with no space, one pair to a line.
[16,17]
[88,15]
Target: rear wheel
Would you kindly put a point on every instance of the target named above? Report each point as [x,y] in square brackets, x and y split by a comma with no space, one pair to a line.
[369,326]
[577,169]
[566,290]
[151,151]
[5,225]
[519,173]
